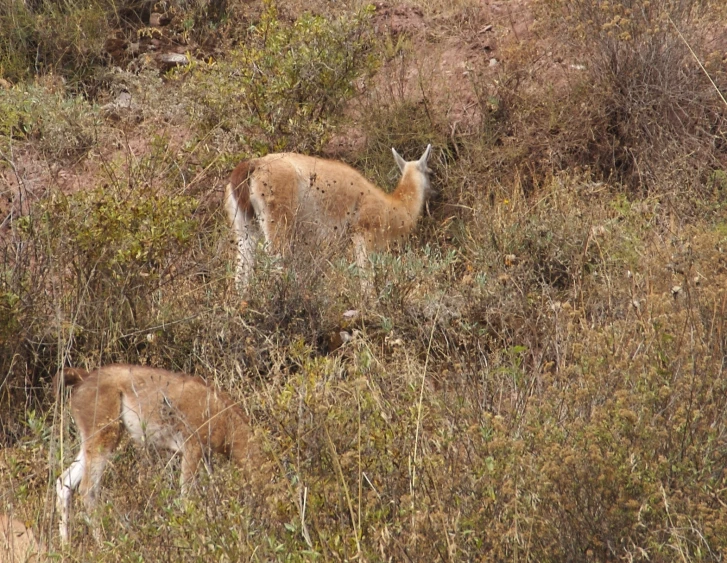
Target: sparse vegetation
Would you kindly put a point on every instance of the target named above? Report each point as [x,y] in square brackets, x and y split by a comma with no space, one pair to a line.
[540,375]
[649,117]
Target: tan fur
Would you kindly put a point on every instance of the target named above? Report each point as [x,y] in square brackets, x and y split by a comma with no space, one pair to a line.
[297,196]
[157,407]
[17,542]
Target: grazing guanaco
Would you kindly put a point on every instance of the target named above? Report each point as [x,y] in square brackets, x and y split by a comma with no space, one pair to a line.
[288,195]
[168,410]
[17,542]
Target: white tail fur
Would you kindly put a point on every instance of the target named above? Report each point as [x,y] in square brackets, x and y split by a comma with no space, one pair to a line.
[164,409]
[287,195]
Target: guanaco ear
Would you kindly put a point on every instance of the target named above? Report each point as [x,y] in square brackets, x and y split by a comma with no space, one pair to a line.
[425,157]
[400,162]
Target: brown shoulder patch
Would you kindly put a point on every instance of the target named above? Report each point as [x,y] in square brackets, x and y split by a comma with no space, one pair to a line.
[240,184]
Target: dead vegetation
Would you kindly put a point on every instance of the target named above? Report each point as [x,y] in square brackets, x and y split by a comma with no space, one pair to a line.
[540,374]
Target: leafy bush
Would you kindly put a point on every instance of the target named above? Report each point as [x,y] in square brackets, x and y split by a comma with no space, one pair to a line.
[116,248]
[282,88]
[62,127]
[101,257]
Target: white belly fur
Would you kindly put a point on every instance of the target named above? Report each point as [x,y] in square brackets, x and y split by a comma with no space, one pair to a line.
[149,432]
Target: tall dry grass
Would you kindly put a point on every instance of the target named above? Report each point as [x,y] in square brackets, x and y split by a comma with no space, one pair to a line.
[539,376]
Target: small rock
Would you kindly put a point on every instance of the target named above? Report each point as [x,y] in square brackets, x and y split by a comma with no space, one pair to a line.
[119,108]
[336,339]
[391,341]
[493,62]
[169,61]
[123,100]
[158,20]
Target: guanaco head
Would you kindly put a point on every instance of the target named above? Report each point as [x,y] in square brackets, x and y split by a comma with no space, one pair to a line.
[417,169]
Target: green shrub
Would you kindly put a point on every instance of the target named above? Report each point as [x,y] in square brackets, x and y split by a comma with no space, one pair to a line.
[61,127]
[285,85]
[115,247]
[17,25]
[96,266]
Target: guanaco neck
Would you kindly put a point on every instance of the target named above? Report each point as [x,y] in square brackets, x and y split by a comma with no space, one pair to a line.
[411,189]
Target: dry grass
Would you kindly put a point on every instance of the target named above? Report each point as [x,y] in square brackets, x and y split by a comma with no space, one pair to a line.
[539,377]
